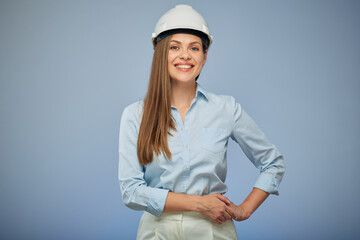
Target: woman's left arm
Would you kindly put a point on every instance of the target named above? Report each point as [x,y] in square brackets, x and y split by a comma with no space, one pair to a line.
[264,155]
[250,204]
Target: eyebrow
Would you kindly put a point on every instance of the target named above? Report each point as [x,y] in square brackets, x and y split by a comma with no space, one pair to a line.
[189,43]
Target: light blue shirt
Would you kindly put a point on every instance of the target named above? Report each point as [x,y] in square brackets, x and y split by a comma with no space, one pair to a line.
[198,146]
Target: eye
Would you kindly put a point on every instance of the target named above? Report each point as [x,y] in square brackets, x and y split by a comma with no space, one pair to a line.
[174,47]
[194,49]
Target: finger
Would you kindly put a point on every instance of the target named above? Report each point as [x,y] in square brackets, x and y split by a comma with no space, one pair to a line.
[224,199]
[222,219]
[218,221]
[227,216]
[230,211]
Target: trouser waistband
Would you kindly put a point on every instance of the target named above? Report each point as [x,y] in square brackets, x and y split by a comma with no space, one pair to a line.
[179,216]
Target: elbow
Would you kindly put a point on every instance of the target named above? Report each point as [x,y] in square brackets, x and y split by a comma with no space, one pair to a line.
[128,199]
[128,202]
[127,195]
[130,205]
[276,166]
[278,169]
[271,176]
[281,166]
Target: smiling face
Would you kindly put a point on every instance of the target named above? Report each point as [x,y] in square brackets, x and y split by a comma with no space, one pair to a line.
[186,57]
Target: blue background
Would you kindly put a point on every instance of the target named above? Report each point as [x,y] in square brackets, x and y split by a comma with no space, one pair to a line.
[68,69]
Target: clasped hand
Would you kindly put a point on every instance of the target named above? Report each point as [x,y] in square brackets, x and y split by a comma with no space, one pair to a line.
[219,209]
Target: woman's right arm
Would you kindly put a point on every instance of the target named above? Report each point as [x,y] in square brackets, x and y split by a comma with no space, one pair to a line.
[138,196]
[214,206]
[135,192]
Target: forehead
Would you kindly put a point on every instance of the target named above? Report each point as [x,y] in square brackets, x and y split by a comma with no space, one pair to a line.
[185,38]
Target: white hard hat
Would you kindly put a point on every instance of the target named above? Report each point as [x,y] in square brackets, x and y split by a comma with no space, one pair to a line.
[181,17]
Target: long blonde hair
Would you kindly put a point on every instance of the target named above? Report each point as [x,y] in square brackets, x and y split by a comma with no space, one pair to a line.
[156,120]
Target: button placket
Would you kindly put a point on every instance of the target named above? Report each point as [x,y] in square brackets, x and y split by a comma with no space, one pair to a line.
[186,153]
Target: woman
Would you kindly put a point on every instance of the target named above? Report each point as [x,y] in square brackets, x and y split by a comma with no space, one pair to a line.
[172,150]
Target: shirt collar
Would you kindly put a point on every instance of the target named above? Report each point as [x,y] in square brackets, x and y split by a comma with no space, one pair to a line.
[200,92]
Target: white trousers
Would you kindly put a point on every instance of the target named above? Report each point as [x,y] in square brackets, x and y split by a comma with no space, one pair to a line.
[183,226]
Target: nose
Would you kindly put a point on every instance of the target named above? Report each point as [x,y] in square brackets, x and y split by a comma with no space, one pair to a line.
[184,54]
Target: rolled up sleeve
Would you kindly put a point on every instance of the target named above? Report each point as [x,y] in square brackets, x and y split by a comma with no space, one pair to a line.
[263,154]
[135,192]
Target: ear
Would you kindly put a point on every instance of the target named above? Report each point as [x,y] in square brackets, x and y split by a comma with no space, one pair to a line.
[205,57]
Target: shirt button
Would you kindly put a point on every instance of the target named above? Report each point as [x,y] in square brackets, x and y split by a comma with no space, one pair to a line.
[183,186]
[187,128]
[187,167]
[187,146]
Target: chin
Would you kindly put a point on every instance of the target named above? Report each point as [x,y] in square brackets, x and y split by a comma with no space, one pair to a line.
[183,81]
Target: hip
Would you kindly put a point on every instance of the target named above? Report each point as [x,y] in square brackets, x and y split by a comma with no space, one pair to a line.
[183,225]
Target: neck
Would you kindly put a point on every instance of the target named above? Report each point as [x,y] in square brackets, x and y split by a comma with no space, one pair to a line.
[182,94]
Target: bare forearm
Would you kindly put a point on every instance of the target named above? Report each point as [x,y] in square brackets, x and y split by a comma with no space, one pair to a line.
[250,204]
[254,200]
[177,202]
[214,206]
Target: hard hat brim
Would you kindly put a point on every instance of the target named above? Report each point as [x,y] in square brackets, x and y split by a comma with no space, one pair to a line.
[197,33]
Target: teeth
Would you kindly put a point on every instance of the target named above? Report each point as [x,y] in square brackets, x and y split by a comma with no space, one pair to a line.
[183,66]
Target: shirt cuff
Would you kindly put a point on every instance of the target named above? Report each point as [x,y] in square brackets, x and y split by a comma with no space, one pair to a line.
[157,201]
[268,183]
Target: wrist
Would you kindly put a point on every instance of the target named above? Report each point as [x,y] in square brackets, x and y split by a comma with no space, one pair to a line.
[246,210]
[197,205]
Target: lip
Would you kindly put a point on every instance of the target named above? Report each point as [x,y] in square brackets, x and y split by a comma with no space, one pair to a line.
[187,68]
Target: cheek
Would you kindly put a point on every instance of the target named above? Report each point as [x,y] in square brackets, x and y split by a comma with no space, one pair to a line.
[201,62]
[169,63]
[201,58]
[171,57]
